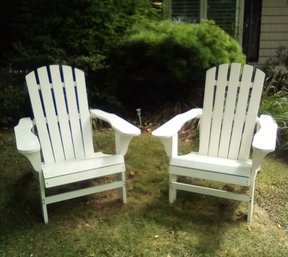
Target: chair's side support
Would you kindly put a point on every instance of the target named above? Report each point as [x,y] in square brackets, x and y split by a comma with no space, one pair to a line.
[168,135]
[122,142]
[124,131]
[263,143]
[170,145]
[27,143]
[168,132]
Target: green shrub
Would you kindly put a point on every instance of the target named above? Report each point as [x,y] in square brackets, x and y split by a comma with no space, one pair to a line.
[275,96]
[165,62]
[14,102]
[276,69]
[79,33]
[277,106]
[74,32]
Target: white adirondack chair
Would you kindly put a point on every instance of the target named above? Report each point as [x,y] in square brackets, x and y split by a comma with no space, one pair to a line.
[63,152]
[228,121]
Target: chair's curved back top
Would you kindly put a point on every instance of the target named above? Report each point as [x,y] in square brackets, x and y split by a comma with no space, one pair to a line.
[231,102]
[59,102]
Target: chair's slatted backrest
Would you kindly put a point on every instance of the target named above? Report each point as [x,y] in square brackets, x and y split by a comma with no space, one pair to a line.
[59,102]
[231,103]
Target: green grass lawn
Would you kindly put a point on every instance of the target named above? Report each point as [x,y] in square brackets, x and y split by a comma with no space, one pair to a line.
[100,225]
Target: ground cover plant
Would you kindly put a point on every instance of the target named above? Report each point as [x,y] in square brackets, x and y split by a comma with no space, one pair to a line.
[100,225]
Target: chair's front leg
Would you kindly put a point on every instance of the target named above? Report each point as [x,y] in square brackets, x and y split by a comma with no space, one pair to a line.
[43,197]
[172,189]
[122,190]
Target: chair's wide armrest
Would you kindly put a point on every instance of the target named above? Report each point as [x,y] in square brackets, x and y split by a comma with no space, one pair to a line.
[26,141]
[172,126]
[117,123]
[265,138]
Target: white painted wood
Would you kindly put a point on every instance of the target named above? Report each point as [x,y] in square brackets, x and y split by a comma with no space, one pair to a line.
[251,115]
[83,192]
[266,136]
[39,117]
[124,131]
[84,112]
[63,118]
[83,175]
[218,107]
[65,168]
[49,109]
[212,192]
[73,111]
[229,111]
[27,143]
[210,175]
[174,125]
[213,164]
[231,101]
[117,123]
[240,113]
[60,106]
[205,124]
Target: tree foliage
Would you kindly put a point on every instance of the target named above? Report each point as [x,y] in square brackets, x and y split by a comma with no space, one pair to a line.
[75,32]
[41,32]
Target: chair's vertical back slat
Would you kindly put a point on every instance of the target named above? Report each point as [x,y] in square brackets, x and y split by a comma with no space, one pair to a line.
[84,111]
[51,114]
[205,124]
[231,103]
[240,114]
[39,116]
[217,114]
[61,107]
[229,112]
[257,87]
[71,98]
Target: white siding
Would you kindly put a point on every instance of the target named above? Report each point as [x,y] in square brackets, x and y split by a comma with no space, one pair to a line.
[274,28]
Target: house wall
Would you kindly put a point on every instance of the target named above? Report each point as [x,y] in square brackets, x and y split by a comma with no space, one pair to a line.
[274,28]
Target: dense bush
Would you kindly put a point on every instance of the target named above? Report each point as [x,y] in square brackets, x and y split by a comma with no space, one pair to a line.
[165,62]
[275,97]
[51,31]
[79,33]
[13,98]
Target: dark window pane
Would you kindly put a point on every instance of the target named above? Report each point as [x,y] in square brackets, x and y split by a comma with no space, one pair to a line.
[223,12]
[251,29]
[186,10]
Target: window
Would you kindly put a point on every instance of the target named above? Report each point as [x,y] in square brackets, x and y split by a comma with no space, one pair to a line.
[239,18]
[186,10]
[223,13]
[251,32]
[226,13]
